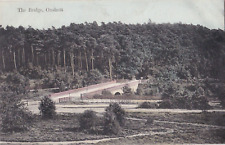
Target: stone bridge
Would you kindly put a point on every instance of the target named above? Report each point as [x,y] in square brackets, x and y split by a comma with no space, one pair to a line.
[89,91]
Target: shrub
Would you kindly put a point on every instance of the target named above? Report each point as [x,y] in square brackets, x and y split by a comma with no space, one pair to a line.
[16,78]
[194,102]
[165,96]
[127,90]
[222,102]
[32,72]
[191,88]
[97,96]
[148,105]
[111,125]
[149,121]
[200,102]
[106,93]
[149,92]
[181,102]
[166,104]
[49,80]
[94,77]
[14,116]
[88,120]
[221,95]
[17,83]
[47,108]
[140,90]
[118,111]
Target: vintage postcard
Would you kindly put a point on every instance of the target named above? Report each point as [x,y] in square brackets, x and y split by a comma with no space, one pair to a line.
[112,72]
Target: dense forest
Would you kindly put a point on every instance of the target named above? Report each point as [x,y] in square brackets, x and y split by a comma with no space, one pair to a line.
[164,52]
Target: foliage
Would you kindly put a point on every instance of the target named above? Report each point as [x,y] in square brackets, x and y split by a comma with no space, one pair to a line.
[222,101]
[148,105]
[15,78]
[94,77]
[106,93]
[63,80]
[31,72]
[149,121]
[194,102]
[14,116]
[140,90]
[111,124]
[127,90]
[97,96]
[118,111]
[49,80]
[114,118]
[47,108]
[87,120]
[123,50]
[166,104]
[200,102]
[220,92]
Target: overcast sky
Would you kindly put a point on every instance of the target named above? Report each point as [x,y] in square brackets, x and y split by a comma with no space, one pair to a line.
[209,13]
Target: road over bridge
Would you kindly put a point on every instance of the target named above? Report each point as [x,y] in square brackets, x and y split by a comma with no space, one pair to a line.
[76,94]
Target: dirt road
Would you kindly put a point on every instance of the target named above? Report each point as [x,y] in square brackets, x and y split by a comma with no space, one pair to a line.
[99,107]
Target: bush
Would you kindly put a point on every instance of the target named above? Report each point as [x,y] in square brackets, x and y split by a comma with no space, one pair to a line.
[200,102]
[194,102]
[221,95]
[16,78]
[93,77]
[166,104]
[222,102]
[97,96]
[148,105]
[181,102]
[14,116]
[118,111]
[49,80]
[149,121]
[106,93]
[32,72]
[127,90]
[140,90]
[88,120]
[111,125]
[47,108]
[149,92]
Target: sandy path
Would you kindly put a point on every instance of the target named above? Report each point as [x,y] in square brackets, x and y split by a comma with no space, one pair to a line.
[180,123]
[193,124]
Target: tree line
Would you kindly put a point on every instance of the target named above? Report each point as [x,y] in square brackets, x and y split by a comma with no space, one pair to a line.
[117,50]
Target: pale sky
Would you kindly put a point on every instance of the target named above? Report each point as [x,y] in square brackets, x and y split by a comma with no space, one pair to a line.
[209,13]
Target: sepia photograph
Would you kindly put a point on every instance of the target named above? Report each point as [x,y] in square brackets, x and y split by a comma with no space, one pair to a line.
[112,72]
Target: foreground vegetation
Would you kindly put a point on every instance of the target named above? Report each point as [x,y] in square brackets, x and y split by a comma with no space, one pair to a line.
[66,128]
[115,122]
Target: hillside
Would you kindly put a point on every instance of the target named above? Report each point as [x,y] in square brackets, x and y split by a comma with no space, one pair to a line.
[82,54]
